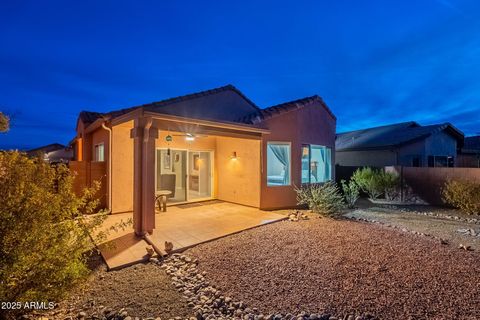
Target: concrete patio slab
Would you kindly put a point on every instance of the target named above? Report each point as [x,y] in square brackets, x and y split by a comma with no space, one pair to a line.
[184,226]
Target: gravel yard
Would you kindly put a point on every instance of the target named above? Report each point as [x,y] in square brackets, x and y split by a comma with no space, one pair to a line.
[457,231]
[344,267]
[143,290]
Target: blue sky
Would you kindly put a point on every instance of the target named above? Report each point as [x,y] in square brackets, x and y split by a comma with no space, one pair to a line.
[373,62]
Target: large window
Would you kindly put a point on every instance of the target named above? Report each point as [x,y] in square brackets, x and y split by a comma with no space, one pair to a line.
[316,164]
[441,161]
[278,164]
[99,152]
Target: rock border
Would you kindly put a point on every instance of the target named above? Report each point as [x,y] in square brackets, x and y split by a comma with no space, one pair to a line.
[388,225]
[209,302]
[432,214]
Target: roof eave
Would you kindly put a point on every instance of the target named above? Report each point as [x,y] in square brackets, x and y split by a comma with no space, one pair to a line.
[161,116]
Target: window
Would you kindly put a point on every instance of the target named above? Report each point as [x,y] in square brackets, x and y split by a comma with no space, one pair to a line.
[451,162]
[278,164]
[99,152]
[316,164]
[441,161]
[416,161]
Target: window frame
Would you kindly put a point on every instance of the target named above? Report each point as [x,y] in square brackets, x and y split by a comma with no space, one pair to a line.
[309,145]
[95,152]
[433,157]
[286,143]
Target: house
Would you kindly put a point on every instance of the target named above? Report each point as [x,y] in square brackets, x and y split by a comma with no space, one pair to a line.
[405,144]
[469,154]
[215,144]
[53,153]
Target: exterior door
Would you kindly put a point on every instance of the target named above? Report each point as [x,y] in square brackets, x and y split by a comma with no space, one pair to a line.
[172,173]
[199,175]
[186,174]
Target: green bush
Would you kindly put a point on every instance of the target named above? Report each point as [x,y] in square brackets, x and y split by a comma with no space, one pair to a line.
[324,199]
[370,181]
[376,183]
[390,182]
[44,236]
[351,192]
[462,194]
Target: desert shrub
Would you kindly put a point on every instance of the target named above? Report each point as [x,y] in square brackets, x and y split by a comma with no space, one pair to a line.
[44,236]
[351,192]
[324,199]
[390,182]
[370,181]
[376,183]
[462,194]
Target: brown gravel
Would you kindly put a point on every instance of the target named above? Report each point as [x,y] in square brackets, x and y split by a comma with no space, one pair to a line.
[343,267]
[144,290]
[438,227]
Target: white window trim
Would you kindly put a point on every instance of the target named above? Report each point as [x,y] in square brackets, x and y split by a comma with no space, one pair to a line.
[287,143]
[95,151]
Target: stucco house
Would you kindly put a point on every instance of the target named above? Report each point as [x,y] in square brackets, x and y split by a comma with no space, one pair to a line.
[405,144]
[469,154]
[215,144]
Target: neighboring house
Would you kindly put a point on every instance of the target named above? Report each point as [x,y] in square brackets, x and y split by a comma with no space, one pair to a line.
[405,144]
[469,155]
[215,144]
[53,153]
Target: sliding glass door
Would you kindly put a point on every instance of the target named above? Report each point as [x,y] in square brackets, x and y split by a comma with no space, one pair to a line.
[186,174]
[199,175]
[171,173]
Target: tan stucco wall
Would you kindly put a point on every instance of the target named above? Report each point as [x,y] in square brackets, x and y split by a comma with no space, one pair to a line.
[122,168]
[99,136]
[238,180]
[233,180]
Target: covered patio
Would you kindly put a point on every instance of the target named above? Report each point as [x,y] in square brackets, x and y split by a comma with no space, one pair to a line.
[184,226]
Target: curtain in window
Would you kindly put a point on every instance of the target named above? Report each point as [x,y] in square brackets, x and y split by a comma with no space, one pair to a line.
[282,154]
[320,164]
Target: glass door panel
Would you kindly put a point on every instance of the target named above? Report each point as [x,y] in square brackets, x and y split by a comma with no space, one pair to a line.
[172,173]
[199,175]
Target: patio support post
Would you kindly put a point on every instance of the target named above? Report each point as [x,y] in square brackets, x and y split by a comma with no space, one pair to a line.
[144,135]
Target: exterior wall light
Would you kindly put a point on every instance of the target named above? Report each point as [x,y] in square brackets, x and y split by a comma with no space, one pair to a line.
[234,155]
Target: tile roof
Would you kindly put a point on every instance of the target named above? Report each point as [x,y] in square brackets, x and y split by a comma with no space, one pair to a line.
[159,106]
[393,135]
[263,114]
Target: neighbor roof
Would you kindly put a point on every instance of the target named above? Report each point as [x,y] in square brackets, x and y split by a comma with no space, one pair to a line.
[270,112]
[393,135]
[47,148]
[472,144]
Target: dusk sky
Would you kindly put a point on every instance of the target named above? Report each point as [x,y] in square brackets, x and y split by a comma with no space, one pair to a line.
[373,62]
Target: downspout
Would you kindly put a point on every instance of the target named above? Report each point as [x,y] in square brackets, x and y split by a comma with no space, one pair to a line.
[109,166]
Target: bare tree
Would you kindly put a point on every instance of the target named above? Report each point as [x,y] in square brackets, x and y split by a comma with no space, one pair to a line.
[4,122]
